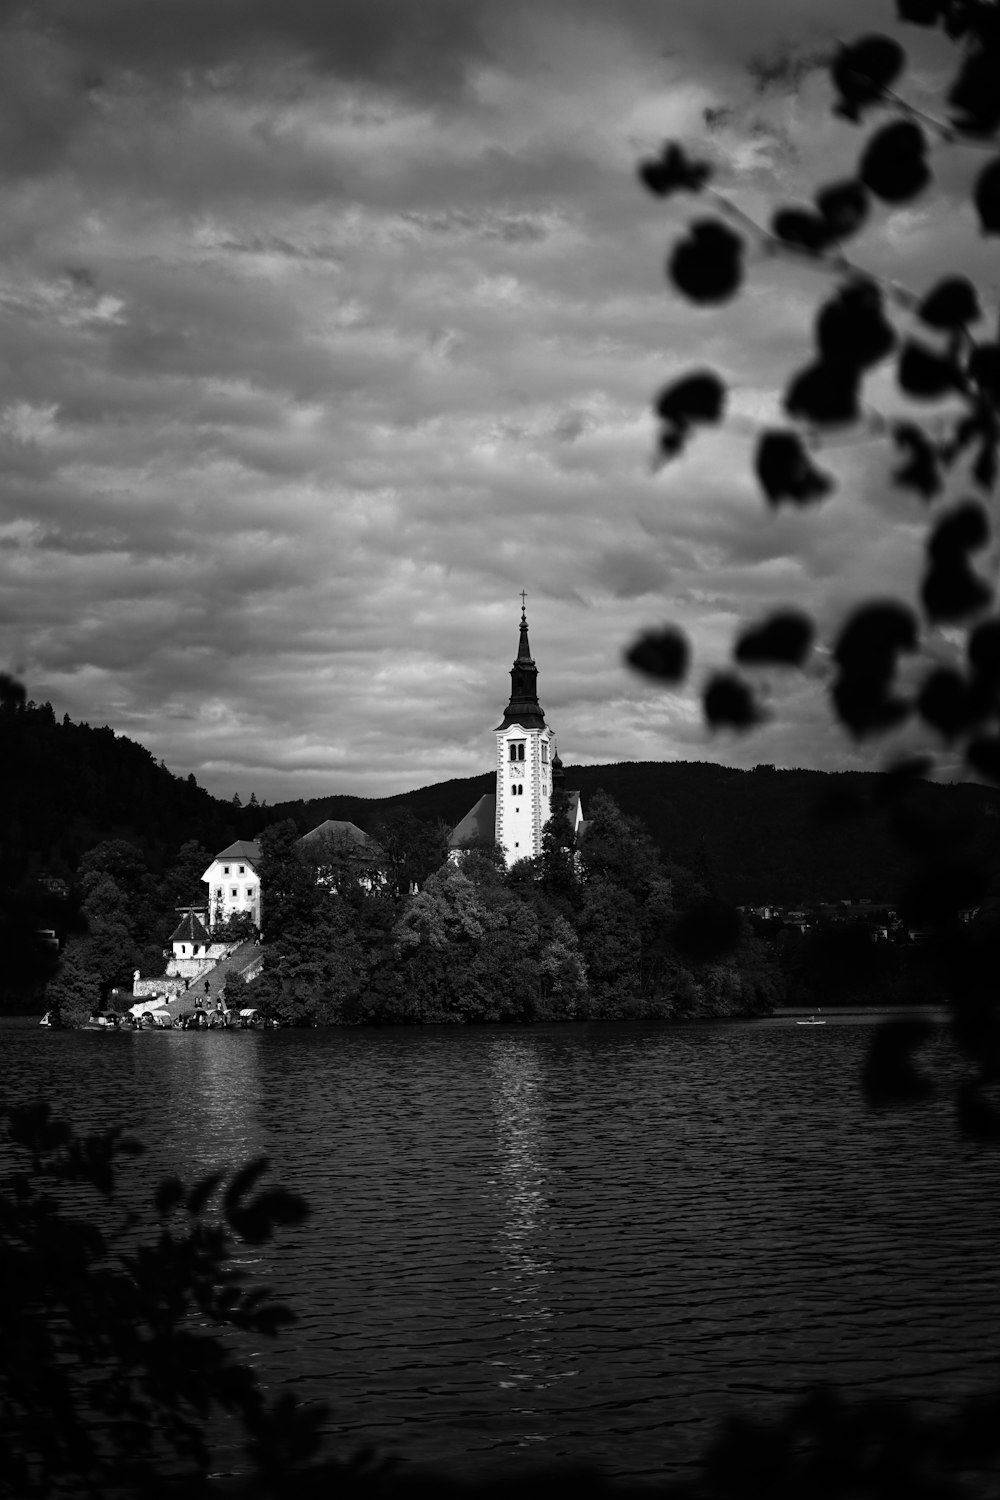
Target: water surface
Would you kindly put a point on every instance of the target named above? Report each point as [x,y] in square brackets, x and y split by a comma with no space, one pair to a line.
[579,1243]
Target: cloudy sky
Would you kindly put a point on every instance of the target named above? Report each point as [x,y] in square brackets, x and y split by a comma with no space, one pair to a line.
[330,325]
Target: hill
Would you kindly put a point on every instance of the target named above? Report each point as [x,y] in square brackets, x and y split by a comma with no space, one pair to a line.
[790,837]
[69,786]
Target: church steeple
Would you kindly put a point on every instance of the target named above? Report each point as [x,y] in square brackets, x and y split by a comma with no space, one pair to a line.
[524,707]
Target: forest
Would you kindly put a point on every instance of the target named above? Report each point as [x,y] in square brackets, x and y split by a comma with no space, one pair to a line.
[594,933]
[101,845]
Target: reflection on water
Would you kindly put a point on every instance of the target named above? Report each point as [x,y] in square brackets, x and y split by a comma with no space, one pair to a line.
[592,1239]
[529,1361]
[213,1096]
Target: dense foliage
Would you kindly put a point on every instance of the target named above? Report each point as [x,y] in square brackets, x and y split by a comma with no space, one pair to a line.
[116,918]
[112,1327]
[573,935]
[931,660]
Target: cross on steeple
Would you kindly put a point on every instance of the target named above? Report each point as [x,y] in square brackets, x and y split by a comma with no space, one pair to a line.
[523,597]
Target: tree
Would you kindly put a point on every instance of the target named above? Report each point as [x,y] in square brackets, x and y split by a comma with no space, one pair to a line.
[114,1356]
[74,991]
[103,956]
[412,848]
[934,339]
[288,886]
[238,927]
[555,865]
[563,975]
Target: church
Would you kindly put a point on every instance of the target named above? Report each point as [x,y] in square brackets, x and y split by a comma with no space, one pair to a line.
[528,772]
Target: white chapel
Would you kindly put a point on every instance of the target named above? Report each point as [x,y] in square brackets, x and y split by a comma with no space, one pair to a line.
[528,771]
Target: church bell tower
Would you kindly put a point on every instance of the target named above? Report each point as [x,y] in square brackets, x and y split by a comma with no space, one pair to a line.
[525,752]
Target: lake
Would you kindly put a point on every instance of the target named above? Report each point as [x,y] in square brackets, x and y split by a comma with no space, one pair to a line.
[570,1243]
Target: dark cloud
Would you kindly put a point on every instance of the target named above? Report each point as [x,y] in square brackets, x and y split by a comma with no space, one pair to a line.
[326,329]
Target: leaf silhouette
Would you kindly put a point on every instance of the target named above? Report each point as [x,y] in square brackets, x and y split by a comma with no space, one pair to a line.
[729,703]
[984,651]
[866,652]
[696,398]
[965,528]
[984,369]
[672,172]
[663,654]
[862,71]
[700,397]
[785,638]
[951,303]
[921,470]
[802,229]
[865,705]
[824,393]
[984,469]
[952,591]
[924,374]
[844,206]
[707,266]
[987,197]
[786,471]
[890,1075]
[951,704]
[975,95]
[852,330]
[874,635]
[921,12]
[894,166]
[983,755]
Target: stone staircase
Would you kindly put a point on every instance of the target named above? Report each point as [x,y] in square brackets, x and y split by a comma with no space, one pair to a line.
[229,971]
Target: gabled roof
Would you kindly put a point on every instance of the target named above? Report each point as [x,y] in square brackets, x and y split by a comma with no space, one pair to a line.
[338,834]
[479,826]
[242,849]
[190,929]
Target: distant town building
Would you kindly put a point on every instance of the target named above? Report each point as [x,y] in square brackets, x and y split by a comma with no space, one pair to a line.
[528,772]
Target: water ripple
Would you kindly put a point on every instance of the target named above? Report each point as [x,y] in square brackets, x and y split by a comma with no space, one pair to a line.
[582,1243]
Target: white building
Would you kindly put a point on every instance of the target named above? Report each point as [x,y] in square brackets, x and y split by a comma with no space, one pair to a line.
[193,951]
[528,770]
[234,884]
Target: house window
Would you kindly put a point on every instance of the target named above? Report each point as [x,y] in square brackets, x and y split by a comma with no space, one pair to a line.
[243,869]
[218,893]
[232,891]
[225,869]
[249,892]
[183,949]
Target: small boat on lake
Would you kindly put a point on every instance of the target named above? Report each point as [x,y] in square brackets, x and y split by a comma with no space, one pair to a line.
[812,1021]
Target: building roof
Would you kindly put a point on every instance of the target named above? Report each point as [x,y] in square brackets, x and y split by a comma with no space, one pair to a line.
[479,826]
[342,835]
[524,708]
[242,849]
[190,929]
